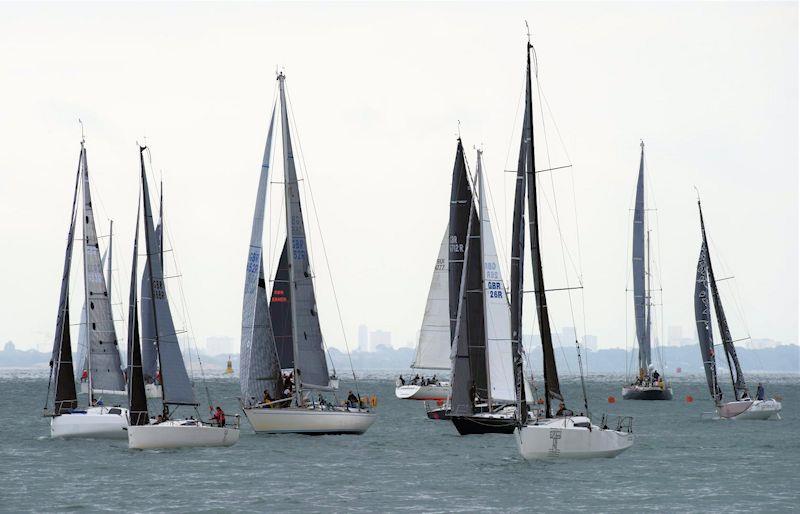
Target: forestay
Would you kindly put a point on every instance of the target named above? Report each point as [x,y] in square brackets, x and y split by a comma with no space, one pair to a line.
[259,367]
[433,347]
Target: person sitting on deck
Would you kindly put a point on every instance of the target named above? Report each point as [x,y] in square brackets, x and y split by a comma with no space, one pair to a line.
[352,400]
[561,409]
[401,380]
[267,400]
[433,380]
[655,376]
[760,392]
[219,416]
[159,419]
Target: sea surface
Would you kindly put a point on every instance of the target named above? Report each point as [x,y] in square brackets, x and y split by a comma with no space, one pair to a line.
[407,463]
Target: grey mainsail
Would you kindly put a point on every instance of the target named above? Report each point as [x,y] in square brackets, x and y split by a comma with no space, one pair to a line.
[737,377]
[259,366]
[311,368]
[83,335]
[149,350]
[280,311]
[641,301]
[105,366]
[176,386]
[61,372]
[433,347]
[705,334]
[137,398]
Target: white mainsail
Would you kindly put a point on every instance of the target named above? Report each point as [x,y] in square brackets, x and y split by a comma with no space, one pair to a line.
[496,310]
[433,347]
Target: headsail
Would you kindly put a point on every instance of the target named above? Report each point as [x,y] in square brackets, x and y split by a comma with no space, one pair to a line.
[311,368]
[61,372]
[137,398]
[705,334]
[149,350]
[83,336]
[259,365]
[280,311]
[433,347]
[496,310]
[105,373]
[176,387]
[641,300]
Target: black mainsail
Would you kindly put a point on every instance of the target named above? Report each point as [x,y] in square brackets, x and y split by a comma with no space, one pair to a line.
[65,396]
[280,312]
[705,333]
[737,377]
[137,398]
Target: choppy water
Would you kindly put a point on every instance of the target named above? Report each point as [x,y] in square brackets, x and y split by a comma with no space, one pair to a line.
[405,462]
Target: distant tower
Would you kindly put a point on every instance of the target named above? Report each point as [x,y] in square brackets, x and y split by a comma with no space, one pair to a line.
[380,338]
[363,338]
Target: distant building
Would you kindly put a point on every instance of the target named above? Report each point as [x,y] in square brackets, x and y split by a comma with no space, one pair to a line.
[567,337]
[590,342]
[363,338]
[379,338]
[218,345]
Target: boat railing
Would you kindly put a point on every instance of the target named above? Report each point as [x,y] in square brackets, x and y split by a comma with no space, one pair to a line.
[625,424]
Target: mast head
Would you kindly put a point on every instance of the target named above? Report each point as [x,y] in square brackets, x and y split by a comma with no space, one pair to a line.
[280,76]
[83,136]
[641,144]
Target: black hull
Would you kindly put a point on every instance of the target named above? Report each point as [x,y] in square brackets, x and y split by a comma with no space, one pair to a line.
[468,425]
[441,414]
[648,394]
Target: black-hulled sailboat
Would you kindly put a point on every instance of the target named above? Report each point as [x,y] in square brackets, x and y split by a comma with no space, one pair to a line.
[649,383]
[102,361]
[555,433]
[167,430]
[743,405]
[285,333]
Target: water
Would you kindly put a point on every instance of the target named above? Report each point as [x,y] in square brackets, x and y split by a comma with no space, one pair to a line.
[405,462]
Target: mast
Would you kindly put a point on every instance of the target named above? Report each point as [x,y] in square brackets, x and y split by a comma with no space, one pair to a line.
[61,370]
[737,377]
[551,384]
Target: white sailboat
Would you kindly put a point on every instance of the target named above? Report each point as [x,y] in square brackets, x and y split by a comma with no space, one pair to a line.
[102,358]
[433,346]
[743,406]
[552,434]
[166,431]
[285,333]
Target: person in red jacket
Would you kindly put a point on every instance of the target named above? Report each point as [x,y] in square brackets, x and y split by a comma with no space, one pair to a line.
[219,417]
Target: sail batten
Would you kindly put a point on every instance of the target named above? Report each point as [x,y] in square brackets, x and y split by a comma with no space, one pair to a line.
[259,365]
[433,347]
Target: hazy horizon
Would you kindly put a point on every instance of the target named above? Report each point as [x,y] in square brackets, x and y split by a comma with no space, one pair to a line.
[378,92]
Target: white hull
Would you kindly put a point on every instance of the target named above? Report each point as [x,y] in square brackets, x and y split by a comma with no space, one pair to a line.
[94,422]
[295,420]
[419,392]
[180,434]
[750,409]
[560,438]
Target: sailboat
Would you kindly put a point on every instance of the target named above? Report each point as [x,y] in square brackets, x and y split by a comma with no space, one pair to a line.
[288,336]
[743,406]
[552,434]
[433,345]
[483,396]
[104,369]
[166,431]
[649,384]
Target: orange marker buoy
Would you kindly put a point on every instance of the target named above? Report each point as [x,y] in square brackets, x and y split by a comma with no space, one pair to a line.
[611,399]
[439,402]
[540,401]
[689,398]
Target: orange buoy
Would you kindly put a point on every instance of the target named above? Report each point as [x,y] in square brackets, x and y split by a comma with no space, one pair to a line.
[611,399]
[373,401]
[540,401]
[439,402]
[689,398]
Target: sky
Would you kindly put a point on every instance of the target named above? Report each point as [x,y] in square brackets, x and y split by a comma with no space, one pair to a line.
[378,93]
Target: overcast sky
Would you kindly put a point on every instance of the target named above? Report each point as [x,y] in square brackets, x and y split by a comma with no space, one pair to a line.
[377,92]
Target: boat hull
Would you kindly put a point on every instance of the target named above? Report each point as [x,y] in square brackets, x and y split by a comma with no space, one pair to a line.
[309,421]
[646,393]
[420,392]
[174,434]
[438,413]
[468,425]
[750,409]
[93,423]
[560,438]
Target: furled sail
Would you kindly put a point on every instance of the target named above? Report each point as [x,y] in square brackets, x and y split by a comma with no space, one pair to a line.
[496,310]
[260,370]
[705,334]
[105,373]
[433,347]
[311,368]
[149,350]
[469,379]
[176,387]
[641,303]
[61,373]
[737,377]
[280,311]
[137,398]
